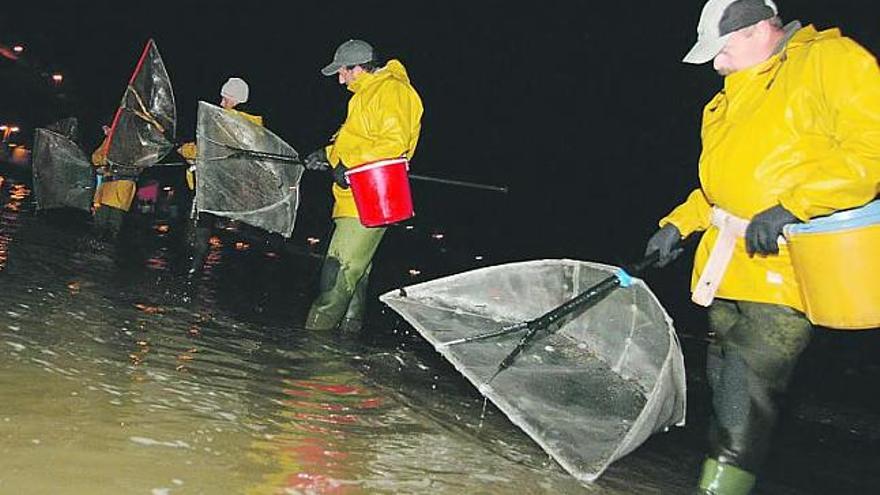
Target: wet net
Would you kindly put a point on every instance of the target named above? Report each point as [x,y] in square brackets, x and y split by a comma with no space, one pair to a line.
[589,393]
[63,175]
[68,127]
[247,186]
[143,128]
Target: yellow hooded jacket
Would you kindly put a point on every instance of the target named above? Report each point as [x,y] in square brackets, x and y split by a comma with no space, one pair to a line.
[384,121]
[801,129]
[190,152]
[117,193]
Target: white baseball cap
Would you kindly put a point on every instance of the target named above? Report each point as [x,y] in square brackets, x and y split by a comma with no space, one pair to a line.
[719,19]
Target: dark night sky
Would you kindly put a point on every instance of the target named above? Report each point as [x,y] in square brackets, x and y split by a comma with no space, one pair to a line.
[582,108]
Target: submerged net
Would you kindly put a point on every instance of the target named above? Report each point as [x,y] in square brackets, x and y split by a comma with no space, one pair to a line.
[589,393]
[63,175]
[243,186]
[143,128]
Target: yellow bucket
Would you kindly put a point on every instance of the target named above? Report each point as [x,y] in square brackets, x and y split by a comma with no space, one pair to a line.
[837,264]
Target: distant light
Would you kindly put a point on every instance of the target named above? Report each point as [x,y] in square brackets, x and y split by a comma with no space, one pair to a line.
[410,227]
[413,272]
[478,258]
[18,48]
[438,235]
[166,188]
[313,240]
[242,246]
[58,78]
[14,129]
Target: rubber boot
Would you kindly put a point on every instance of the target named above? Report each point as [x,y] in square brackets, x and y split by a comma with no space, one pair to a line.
[719,478]
[201,230]
[353,320]
[200,248]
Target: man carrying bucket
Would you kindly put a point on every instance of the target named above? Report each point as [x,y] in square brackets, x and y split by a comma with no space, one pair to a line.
[794,134]
[383,122]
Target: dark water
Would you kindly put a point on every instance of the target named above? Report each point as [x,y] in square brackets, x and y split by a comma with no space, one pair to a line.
[118,375]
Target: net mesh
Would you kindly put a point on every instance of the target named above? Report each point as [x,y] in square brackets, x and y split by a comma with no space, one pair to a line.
[245,186]
[63,175]
[144,127]
[589,393]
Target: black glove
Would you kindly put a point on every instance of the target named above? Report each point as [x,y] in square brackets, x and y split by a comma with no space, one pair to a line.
[317,160]
[666,241]
[765,228]
[339,175]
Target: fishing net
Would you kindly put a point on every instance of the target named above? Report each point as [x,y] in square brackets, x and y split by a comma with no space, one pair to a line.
[68,127]
[246,185]
[588,393]
[143,128]
[63,175]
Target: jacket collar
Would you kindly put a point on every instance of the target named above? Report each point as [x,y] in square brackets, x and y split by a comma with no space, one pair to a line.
[393,69]
[795,37]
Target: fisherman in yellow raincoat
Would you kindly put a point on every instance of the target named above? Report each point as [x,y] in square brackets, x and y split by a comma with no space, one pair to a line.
[794,134]
[113,197]
[383,121]
[234,92]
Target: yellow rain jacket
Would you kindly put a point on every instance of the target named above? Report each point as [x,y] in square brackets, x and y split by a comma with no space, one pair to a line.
[801,129]
[384,121]
[190,152]
[118,193]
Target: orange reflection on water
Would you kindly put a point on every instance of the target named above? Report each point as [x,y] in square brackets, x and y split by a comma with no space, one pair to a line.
[150,310]
[4,252]
[19,192]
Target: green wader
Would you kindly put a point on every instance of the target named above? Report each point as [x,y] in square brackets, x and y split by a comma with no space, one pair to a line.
[343,286]
[751,357]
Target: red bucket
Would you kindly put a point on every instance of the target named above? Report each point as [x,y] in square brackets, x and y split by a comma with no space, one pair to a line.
[381,192]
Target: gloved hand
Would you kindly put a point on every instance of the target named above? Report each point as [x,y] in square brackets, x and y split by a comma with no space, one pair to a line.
[666,241]
[317,160]
[765,228]
[339,176]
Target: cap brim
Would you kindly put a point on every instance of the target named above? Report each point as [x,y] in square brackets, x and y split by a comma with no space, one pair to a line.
[705,49]
[332,68]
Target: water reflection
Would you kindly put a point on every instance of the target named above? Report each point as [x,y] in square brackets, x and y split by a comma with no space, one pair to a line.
[119,376]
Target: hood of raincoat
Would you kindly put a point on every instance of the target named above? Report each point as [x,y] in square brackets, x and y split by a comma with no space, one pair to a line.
[383,121]
[801,129]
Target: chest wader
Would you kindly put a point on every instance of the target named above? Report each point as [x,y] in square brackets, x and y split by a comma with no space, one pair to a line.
[342,293]
[750,360]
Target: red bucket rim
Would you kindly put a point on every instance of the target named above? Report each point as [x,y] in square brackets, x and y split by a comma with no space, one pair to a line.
[381,163]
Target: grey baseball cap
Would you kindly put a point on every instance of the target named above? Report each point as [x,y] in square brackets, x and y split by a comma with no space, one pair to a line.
[352,52]
[719,19]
